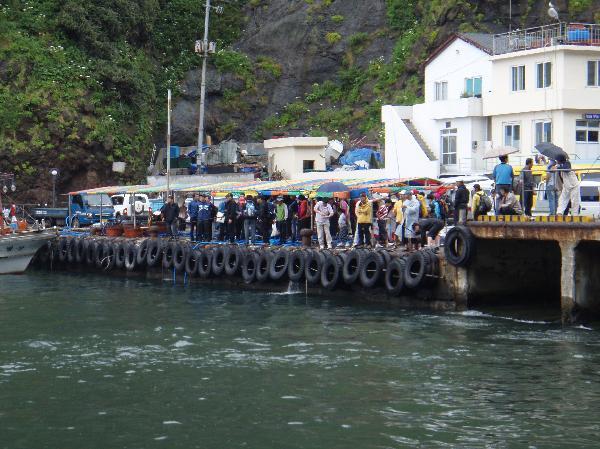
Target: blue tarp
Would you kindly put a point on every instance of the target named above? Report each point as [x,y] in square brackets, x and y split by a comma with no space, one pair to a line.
[359,154]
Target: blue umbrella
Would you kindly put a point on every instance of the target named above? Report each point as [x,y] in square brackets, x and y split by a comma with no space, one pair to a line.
[330,189]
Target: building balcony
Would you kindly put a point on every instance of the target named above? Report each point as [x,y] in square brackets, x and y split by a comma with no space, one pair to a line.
[547,36]
[458,108]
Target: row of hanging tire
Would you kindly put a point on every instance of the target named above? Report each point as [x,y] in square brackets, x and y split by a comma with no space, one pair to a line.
[329,268]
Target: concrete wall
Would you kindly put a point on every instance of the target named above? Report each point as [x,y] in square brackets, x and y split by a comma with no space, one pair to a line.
[287,155]
[200,179]
[403,155]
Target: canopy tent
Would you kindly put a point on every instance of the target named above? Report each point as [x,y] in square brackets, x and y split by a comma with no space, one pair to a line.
[284,187]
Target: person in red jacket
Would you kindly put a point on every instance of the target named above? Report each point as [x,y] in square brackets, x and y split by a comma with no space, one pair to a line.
[304,212]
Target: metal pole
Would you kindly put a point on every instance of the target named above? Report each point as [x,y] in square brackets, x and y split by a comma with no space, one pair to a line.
[168,141]
[53,191]
[203,84]
[70,203]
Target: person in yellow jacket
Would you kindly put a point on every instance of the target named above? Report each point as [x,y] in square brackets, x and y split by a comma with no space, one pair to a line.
[364,220]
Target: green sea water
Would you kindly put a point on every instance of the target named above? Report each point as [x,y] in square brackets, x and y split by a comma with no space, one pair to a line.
[88,361]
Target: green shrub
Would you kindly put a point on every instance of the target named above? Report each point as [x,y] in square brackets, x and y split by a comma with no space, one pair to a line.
[357,40]
[269,65]
[337,18]
[333,37]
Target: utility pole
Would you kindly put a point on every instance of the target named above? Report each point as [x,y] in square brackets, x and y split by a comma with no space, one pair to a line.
[168,141]
[204,48]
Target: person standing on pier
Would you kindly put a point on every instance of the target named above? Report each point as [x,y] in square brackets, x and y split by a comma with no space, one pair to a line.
[461,203]
[503,178]
[552,187]
[364,219]
[249,214]
[265,219]
[303,213]
[204,231]
[381,215]
[323,211]
[170,214]
[570,187]
[231,213]
[281,216]
[293,218]
[193,213]
[527,183]
[410,211]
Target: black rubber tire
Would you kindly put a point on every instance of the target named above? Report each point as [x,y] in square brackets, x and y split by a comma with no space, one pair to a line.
[352,266]
[63,248]
[233,261]
[191,262]
[205,263]
[387,258]
[459,246]
[80,251]
[371,269]
[249,267]
[218,260]
[71,251]
[263,265]
[130,257]
[90,253]
[167,256]
[313,266]
[153,253]
[99,254]
[415,270]
[120,249]
[142,253]
[296,264]
[394,276]
[179,256]
[331,271]
[278,265]
[109,256]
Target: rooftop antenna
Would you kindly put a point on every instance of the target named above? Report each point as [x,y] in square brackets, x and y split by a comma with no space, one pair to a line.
[552,12]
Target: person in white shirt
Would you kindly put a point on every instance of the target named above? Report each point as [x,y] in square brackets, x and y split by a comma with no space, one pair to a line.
[323,212]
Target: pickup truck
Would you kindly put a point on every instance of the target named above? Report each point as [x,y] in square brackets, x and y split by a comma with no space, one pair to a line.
[85,210]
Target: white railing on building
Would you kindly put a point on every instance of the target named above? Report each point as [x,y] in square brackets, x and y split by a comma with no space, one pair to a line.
[547,36]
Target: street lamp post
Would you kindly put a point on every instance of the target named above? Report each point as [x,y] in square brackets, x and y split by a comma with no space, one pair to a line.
[54,173]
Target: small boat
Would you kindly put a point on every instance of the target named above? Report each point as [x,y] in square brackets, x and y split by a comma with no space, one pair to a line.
[17,250]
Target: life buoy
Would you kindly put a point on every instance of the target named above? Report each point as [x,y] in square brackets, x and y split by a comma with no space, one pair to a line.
[330,271]
[394,276]
[278,265]
[296,263]
[459,246]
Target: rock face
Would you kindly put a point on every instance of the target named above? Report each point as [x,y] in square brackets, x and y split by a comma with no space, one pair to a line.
[295,36]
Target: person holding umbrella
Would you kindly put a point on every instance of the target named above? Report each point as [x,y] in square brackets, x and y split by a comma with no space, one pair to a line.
[570,187]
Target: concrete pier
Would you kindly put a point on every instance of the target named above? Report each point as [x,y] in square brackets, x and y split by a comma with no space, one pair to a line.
[545,262]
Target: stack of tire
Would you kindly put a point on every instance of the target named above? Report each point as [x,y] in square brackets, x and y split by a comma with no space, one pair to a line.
[328,269]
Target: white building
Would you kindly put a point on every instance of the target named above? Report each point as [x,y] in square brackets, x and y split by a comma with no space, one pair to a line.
[292,156]
[516,89]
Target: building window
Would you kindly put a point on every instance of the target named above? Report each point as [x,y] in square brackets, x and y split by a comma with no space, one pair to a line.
[593,73]
[518,78]
[544,74]
[441,90]
[586,131]
[543,131]
[448,146]
[512,135]
[308,165]
[473,87]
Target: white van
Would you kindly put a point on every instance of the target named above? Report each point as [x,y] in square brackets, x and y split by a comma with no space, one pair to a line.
[590,198]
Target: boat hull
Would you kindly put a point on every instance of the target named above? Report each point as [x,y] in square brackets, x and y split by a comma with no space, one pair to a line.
[17,250]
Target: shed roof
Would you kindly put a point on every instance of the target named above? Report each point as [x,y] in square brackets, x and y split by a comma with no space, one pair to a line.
[482,41]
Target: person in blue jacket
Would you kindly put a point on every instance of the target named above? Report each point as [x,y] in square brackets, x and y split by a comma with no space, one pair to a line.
[204,219]
[503,177]
[193,213]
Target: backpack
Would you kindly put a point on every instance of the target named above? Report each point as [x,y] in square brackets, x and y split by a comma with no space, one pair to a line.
[485,205]
[250,209]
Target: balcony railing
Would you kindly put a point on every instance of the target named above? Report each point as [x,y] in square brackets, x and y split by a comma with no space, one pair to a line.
[547,36]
